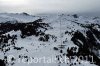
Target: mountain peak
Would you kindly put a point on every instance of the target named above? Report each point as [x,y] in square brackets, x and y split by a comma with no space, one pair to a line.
[24,13]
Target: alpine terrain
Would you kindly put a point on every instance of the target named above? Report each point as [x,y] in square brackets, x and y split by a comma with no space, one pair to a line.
[49,40]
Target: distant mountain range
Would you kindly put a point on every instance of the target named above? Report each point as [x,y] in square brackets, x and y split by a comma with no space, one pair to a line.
[22,17]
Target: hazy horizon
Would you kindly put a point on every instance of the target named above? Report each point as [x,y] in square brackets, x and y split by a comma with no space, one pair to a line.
[51,6]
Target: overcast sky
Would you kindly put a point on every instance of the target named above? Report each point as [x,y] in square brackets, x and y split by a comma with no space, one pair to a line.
[44,6]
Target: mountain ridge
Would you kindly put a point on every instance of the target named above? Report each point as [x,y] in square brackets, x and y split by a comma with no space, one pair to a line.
[60,35]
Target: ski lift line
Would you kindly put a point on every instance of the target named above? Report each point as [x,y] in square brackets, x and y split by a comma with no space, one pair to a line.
[60,33]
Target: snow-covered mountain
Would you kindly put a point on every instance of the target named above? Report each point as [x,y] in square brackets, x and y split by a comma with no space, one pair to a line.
[52,38]
[14,17]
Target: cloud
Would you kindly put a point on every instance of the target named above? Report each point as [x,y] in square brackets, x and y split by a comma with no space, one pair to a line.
[40,6]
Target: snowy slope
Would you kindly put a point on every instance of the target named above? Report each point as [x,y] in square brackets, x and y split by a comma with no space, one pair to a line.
[20,17]
[61,29]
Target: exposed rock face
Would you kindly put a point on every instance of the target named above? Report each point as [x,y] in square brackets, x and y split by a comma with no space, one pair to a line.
[75,16]
[2,63]
[88,42]
[57,35]
[30,28]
